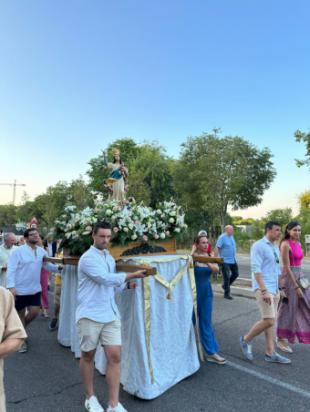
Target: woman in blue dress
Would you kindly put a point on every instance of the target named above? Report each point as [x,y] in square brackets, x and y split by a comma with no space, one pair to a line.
[203,273]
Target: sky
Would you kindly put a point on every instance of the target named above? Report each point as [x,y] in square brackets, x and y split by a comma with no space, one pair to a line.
[76,75]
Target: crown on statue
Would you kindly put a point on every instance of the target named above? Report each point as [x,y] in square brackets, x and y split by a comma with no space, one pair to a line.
[115,152]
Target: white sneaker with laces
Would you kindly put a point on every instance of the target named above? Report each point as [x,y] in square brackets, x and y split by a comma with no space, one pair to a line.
[118,408]
[92,405]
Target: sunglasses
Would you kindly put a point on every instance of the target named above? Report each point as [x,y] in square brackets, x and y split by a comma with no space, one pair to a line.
[276,257]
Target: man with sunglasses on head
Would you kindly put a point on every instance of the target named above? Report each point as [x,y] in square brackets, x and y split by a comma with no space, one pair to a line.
[265,266]
[23,277]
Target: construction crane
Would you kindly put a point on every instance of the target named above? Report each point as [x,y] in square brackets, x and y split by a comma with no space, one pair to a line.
[14,185]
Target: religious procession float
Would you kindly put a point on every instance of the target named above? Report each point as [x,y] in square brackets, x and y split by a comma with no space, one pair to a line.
[160,344]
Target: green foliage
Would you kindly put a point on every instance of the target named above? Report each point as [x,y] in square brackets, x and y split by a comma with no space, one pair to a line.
[49,205]
[150,178]
[8,215]
[211,174]
[98,170]
[304,200]
[283,216]
[304,214]
[303,137]
[214,173]
[238,220]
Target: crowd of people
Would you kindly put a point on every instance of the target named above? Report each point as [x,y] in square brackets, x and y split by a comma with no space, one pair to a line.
[282,294]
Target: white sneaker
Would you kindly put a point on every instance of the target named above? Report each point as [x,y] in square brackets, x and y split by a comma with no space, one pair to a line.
[118,408]
[92,405]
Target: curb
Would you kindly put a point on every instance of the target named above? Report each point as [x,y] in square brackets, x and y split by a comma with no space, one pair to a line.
[236,291]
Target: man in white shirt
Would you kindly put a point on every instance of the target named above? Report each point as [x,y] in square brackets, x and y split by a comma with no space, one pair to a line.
[9,240]
[265,265]
[97,316]
[23,277]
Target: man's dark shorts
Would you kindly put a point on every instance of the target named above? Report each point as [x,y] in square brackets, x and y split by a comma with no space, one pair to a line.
[23,301]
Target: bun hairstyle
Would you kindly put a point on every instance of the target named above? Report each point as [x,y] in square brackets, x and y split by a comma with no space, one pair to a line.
[201,234]
[289,227]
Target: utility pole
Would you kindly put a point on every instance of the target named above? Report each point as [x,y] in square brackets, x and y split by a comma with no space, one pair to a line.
[14,185]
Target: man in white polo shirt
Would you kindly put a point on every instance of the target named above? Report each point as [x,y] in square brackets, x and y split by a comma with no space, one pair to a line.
[97,316]
[23,277]
[265,265]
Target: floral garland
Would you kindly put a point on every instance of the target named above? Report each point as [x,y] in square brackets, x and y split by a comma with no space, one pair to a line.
[129,223]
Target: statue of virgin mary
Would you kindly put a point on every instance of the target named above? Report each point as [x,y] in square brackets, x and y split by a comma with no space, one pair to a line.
[118,178]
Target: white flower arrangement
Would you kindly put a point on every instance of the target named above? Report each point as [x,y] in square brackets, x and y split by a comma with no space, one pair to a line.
[129,223]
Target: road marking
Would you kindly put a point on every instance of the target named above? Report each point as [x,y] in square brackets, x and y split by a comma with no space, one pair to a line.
[269,379]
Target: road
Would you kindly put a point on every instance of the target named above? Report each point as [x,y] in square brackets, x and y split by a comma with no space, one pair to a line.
[47,377]
[245,270]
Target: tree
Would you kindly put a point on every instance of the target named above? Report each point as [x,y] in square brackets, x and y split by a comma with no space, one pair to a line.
[8,215]
[303,137]
[150,176]
[304,212]
[283,216]
[304,200]
[98,170]
[48,206]
[214,173]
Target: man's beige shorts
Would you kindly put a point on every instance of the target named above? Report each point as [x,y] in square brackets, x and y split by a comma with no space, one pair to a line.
[267,311]
[92,333]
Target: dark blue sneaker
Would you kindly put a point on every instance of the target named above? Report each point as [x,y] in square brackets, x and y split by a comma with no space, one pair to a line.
[53,324]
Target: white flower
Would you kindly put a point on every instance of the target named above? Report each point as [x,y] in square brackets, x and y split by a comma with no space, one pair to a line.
[171,220]
[177,230]
[108,212]
[156,236]
[167,233]
[162,236]
[173,213]
[115,229]
[75,235]
[125,229]
[89,228]
[130,226]
[158,211]
[134,237]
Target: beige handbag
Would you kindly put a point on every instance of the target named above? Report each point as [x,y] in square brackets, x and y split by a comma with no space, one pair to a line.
[303,283]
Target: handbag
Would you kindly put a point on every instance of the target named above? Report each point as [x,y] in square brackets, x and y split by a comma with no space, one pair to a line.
[303,283]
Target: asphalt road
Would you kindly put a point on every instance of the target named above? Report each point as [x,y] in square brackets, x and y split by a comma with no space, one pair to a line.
[245,268]
[47,377]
